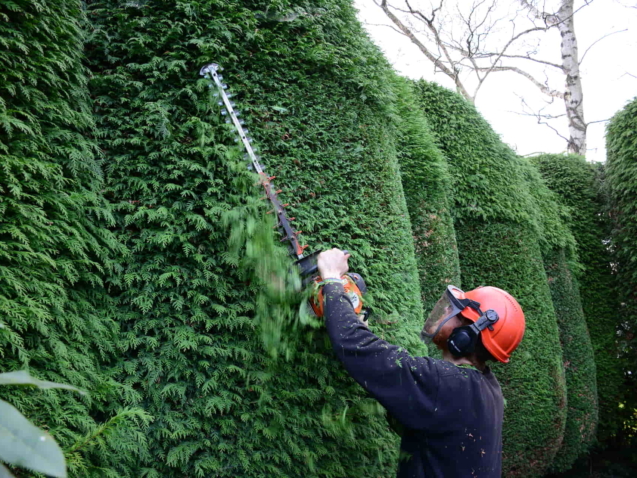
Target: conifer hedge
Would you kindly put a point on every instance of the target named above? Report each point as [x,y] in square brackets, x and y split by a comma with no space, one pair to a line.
[498,243]
[426,182]
[55,318]
[317,98]
[560,261]
[621,176]
[578,186]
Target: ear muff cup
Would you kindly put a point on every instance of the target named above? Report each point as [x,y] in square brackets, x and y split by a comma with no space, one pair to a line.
[462,341]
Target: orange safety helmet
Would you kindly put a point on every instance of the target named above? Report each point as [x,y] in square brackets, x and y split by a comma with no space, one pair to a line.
[494,315]
[504,336]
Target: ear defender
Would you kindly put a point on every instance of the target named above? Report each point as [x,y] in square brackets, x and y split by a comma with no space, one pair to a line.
[462,340]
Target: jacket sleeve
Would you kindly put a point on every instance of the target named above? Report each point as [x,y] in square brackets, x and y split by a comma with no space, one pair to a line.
[406,386]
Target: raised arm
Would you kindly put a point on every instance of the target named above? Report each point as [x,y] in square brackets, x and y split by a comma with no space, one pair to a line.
[406,386]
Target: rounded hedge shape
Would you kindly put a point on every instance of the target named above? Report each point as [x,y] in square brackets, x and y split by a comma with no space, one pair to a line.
[426,182]
[579,364]
[578,186]
[558,250]
[317,98]
[621,176]
[55,318]
[498,244]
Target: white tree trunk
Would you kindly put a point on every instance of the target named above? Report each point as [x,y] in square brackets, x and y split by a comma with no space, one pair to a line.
[573,94]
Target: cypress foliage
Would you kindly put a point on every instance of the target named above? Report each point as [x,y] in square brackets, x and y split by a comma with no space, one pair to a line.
[578,186]
[621,176]
[55,317]
[426,182]
[579,364]
[558,250]
[317,95]
[498,243]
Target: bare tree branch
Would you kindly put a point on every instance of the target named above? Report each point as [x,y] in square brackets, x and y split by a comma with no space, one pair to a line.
[551,19]
[531,8]
[441,44]
[540,121]
[523,57]
[451,73]
[542,118]
[543,88]
[598,121]
[597,41]
[388,26]
[533,153]
[457,37]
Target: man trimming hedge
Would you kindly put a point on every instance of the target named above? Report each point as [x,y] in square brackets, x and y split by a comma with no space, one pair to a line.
[450,410]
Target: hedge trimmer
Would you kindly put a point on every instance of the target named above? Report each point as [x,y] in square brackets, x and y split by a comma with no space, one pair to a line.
[353,283]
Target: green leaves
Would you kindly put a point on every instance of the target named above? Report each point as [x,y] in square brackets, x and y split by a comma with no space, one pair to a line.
[55,246]
[206,295]
[25,445]
[579,187]
[621,188]
[427,183]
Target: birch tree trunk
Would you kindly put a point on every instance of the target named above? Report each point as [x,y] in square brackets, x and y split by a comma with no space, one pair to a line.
[573,93]
[453,35]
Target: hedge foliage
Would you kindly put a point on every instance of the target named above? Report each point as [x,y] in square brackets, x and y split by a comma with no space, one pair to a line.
[498,237]
[578,186]
[621,175]
[426,182]
[559,254]
[139,264]
[55,318]
[579,363]
[318,100]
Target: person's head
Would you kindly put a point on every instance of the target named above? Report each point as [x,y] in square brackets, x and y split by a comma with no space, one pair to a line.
[486,323]
[480,354]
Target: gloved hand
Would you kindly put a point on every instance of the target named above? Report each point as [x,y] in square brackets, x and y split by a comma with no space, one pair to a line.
[332,264]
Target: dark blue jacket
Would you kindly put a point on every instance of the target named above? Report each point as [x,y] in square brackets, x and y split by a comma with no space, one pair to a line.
[452,415]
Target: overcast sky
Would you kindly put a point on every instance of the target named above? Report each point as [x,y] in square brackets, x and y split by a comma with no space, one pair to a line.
[606,74]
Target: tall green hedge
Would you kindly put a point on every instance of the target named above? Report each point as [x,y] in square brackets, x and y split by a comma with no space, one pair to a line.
[426,182]
[498,243]
[621,176]
[55,318]
[559,253]
[317,98]
[577,184]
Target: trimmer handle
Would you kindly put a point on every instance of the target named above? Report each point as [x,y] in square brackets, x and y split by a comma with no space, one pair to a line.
[309,267]
[354,284]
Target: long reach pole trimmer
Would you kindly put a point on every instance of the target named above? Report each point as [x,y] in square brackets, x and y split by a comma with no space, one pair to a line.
[353,283]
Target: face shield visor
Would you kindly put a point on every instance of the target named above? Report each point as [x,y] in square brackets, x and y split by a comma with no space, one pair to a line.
[445,309]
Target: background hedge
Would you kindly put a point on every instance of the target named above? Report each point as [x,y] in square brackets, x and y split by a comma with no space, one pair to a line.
[621,169]
[578,186]
[498,243]
[55,319]
[318,100]
[427,183]
[560,261]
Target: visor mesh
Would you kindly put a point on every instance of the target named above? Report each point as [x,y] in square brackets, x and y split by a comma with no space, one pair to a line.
[442,312]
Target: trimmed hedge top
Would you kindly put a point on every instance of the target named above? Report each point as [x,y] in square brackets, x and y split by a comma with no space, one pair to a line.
[486,179]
